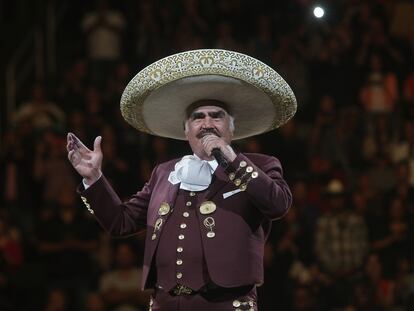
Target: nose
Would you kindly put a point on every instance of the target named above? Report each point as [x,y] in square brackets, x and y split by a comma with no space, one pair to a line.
[208,122]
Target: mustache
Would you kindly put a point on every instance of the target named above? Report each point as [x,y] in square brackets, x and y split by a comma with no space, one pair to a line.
[207,131]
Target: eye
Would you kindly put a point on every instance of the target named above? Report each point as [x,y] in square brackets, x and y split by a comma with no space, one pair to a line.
[217,115]
[197,116]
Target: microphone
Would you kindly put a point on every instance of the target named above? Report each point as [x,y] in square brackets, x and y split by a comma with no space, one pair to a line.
[215,152]
[218,155]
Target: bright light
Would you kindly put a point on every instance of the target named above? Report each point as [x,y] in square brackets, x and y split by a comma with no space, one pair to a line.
[318,12]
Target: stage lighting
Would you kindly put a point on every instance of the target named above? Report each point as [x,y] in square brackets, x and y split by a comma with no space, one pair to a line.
[318,12]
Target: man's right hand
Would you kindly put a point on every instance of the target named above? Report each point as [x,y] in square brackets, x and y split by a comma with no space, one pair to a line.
[86,162]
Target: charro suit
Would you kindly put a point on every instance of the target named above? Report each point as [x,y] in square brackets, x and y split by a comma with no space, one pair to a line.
[234,256]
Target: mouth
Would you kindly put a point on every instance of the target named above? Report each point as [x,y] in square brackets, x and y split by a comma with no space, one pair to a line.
[207,131]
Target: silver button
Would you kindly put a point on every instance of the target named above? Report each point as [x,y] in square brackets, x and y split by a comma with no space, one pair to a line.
[183,226]
[236,303]
[188,203]
[179,275]
[179,262]
[255,174]
[179,249]
[211,234]
[181,236]
[186,214]
[164,209]
[243,163]
[249,169]
[192,193]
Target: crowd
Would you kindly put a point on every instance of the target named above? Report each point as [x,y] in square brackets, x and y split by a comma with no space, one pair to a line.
[347,243]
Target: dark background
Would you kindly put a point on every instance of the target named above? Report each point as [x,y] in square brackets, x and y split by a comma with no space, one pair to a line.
[348,154]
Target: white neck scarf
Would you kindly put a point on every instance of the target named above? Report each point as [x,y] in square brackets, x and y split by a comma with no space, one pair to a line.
[193,173]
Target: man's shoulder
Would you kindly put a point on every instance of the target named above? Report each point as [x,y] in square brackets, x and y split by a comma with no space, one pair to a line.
[168,165]
[260,158]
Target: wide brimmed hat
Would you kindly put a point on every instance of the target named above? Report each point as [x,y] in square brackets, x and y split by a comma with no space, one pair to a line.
[156,99]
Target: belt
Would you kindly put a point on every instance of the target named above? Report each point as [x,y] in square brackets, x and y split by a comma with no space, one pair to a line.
[180,289]
[210,290]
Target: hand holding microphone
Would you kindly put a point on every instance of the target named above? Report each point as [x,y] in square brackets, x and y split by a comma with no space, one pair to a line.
[218,155]
[218,148]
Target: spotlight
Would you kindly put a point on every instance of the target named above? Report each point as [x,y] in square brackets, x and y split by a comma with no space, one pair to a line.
[318,12]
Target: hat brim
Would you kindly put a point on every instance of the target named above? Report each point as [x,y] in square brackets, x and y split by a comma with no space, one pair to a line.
[156,99]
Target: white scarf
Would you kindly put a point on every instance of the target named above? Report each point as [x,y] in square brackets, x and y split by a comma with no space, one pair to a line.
[193,173]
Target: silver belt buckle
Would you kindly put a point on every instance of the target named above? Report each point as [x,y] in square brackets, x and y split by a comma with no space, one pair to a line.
[182,290]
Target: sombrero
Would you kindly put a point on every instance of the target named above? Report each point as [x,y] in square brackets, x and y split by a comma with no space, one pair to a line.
[156,99]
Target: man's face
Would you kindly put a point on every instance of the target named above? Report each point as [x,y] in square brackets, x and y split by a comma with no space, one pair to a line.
[207,119]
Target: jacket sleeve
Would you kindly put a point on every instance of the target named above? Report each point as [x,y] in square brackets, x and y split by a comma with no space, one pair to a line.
[264,185]
[116,217]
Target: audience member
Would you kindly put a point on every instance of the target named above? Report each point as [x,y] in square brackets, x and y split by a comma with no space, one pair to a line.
[103,29]
[120,286]
[39,112]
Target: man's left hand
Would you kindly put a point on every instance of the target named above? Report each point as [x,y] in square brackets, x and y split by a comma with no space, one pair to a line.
[211,141]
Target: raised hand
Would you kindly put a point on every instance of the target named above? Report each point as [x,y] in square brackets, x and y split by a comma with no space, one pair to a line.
[212,141]
[86,162]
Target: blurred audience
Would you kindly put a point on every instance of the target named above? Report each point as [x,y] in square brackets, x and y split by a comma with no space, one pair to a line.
[39,112]
[103,30]
[119,287]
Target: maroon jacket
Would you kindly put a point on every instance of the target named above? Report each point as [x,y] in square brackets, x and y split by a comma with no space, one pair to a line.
[234,257]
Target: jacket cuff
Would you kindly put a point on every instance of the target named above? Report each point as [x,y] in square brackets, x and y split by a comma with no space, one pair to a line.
[241,171]
[83,190]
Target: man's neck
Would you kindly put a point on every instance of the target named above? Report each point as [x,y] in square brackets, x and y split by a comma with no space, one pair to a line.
[211,161]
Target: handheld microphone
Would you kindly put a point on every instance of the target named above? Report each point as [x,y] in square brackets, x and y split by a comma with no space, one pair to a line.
[216,152]
[218,155]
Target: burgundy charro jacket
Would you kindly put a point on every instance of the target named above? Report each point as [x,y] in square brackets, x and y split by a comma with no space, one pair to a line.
[234,257]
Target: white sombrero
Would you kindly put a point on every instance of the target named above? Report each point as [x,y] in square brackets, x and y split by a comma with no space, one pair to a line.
[156,99]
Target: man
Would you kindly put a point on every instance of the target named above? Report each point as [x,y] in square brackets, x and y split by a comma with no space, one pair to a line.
[341,243]
[206,222]
[341,240]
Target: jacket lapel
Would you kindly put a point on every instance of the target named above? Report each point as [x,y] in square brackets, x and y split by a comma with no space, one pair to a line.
[220,180]
[166,193]
[172,192]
